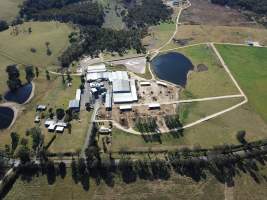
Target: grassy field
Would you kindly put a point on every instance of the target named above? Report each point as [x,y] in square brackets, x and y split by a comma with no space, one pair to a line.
[213,82]
[16,49]
[177,187]
[225,34]
[54,94]
[9,9]
[159,34]
[249,67]
[190,112]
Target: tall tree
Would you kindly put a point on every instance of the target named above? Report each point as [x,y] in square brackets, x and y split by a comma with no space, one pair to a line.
[29,70]
[14,140]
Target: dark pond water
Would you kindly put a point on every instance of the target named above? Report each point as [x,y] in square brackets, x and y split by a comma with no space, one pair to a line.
[172,67]
[21,95]
[6,117]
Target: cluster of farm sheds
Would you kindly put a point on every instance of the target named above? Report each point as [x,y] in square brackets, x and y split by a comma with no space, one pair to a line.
[112,87]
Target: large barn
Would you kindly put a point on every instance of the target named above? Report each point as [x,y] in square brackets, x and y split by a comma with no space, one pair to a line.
[123,88]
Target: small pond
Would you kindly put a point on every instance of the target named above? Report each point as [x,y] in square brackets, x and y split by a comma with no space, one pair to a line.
[6,117]
[172,67]
[21,95]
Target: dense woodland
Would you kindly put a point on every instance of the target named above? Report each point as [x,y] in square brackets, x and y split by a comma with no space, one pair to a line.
[89,17]
[257,6]
[151,12]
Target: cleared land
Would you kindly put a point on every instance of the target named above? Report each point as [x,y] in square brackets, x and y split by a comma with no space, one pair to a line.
[204,12]
[113,18]
[9,9]
[190,112]
[212,82]
[17,49]
[193,34]
[177,187]
[158,35]
[249,67]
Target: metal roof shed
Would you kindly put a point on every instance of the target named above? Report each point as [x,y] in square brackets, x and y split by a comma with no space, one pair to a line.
[74,104]
[108,100]
[78,94]
[120,85]
[154,105]
[126,107]
[60,129]
[145,83]
[51,127]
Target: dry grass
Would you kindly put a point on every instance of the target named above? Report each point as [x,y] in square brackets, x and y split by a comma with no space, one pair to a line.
[9,9]
[177,187]
[224,34]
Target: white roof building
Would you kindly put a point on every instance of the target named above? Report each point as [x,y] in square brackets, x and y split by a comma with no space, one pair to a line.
[78,94]
[126,107]
[154,105]
[121,85]
[59,129]
[96,68]
[145,83]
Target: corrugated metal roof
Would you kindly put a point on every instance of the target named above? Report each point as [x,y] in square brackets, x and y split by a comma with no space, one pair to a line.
[120,85]
[78,94]
[154,105]
[122,97]
[74,103]
[125,107]
[133,90]
[97,68]
[108,100]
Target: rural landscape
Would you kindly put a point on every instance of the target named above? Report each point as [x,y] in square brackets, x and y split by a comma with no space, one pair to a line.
[133,99]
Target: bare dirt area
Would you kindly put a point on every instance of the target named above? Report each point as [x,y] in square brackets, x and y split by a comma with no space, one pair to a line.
[157,93]
[128,118]
[204,12]
[136,65]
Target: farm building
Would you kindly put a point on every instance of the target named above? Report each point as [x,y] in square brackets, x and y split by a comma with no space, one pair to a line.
[123,88]
[74,105]
[96,68]
[125,107]
[154,106]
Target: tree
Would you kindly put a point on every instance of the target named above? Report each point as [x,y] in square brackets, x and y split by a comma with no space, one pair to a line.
[63,79]
[3,25]
[30,30]
[29,73]
[36,72]
[74,171]
[37,137]
[14,140]
[60,113]
[24,141]
[13,81]
[47,75]
[23,153]
[51,172]
[69,79]
[241,136]
[62,169]
[82,88]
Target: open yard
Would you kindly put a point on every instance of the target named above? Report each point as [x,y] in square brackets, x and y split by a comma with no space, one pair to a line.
[207,83]
[9,9]
[249,67]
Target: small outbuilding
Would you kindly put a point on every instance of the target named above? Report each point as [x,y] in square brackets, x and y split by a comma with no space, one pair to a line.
[51,127]
[154,106]
[145,83]
[60,129]
[125,107]
[74,105]
[41,107]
